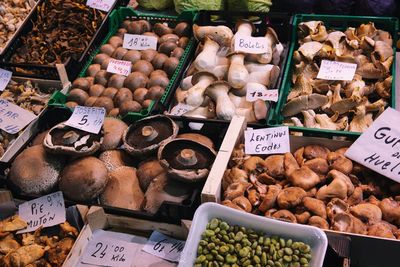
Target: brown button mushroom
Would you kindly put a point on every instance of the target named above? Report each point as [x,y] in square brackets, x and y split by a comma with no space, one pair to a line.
[96,90]
[155,92]
[113,130]
[124,94]
[129,106]
[186,160]
[81,83]
[170,66]
[63,139]
[113,159]
[72,104]
[78,95]
[93,69]
[105,102]
[143,66]
[90,101]
[133,56]
[110,92]
[34,171]
[290,197]
[147,171]
[84,179]
[148,54]
[136,80]
[123,190]
[144,136]
[158,60]
[116,81]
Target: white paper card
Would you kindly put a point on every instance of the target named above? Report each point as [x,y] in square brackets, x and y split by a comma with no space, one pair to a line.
[267,141]
[13,118]
[45,211]
[164,247]
[122,67]
[103,5]
[5,77]
[252,45]
[334,70]
[378,148]
[139,42]
[88,119]
[180,109]
[105,251]
[255,93]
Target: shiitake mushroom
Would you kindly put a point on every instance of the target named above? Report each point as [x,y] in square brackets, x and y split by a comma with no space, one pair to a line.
[119,53]
[93,69]
[160,80]
[105,102]
[161,29]
[135,80]
[178,52]
[78,95]
[107,49]
[117,81]
[115,41]
[139,94]
[101,77]
[158,60]
[154,92]
[110,92]
[124,94]
[170,65]
[182,29]
[96,90]
[81,83]
[170,37]
[90,101]
[132,56]
[183,42]
[148,54]
[99,58]
[129,106]
[143,66]
[167,47]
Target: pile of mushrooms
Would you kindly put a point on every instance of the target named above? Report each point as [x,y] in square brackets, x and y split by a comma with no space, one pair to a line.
[340,105]
[314,186]
[137,167]
[150,73]
[215,85]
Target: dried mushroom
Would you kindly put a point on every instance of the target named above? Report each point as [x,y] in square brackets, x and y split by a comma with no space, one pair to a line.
[314,186]
[186,160]
[65,140]
[339,105]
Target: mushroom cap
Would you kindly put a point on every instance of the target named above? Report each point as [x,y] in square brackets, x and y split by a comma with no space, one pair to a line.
[34,171]
[198,138]
[84,179]
[186,160]
[290,197]
[245,21]
[235,53]
[116,158]
[123,190]
[225,84]
[65,140]
[113,130]
[145,136]
[147,171]
[196,77]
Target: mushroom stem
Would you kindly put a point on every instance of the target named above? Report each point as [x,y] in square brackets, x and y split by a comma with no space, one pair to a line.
[187,157]
[149,133]
[207,59]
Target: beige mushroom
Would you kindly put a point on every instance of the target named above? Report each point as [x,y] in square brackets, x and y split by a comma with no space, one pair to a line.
[319,222]
[304,177]
[367,212]
[201,81]
[284,215]
[380,229]
[290,197]
[336,206]
[390,210]
[315,206]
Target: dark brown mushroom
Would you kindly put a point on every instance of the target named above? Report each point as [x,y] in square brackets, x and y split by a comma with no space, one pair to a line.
[113,130]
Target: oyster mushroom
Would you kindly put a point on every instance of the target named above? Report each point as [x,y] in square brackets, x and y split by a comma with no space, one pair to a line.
[315,206]
[201,81]
[361,121]
[302,86]
[310,49]
[312,30]
[186,160]
[304,102]
[319,222]
[290,197]
[144,136]
[383,88]
[309,119]
[63,139]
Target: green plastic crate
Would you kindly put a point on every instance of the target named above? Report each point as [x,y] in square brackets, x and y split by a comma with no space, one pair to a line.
[336,22]
[116,18]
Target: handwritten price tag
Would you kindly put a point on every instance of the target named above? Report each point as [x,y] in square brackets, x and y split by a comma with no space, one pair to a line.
[252,45]
[255,93]
[45,211]
[105,251]
[103,5]
[267,141]
[13,118]
[5,77]
[88,119]
[139,42]
[333,70]
[180,109]
[164,247]
[119,67]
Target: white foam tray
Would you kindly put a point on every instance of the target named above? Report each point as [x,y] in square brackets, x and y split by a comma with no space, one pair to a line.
[313,236]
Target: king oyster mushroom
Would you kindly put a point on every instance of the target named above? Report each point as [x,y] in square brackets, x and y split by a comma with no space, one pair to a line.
[186,160]
[145,136]
[63,139]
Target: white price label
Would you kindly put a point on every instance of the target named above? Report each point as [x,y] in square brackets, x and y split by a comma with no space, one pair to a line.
[103,5]
[267,141]
[334,70]
[252,45]
[13,118]
[164,247]
[5,77]
[45,211]
[180,109]
[254,94]
[122,67]
[378,148]
[105,251]
[139,42]
[88,119]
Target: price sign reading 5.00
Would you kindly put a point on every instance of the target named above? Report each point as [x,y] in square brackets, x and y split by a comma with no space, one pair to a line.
[139,42]
[119,67]
[88,119]
[164,246]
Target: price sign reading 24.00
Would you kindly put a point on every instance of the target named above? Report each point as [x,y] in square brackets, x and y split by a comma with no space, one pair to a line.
[139,42]
[88,119]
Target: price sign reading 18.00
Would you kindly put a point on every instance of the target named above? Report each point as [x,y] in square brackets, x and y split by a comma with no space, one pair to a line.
[139,42]
[122,67]
[255,93]
[88,119]
[164,247]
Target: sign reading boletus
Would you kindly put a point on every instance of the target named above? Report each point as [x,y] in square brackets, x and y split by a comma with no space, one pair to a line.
[379,147]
